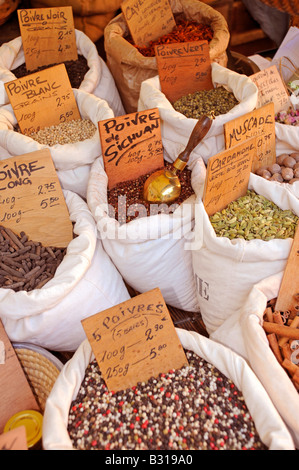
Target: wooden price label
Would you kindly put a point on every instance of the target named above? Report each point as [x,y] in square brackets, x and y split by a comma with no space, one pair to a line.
[228,175]
[290,281]
[148,20]
[184,68]
[42,99]
[131,145]
[15,439]
[16,394]
[134,341]
[48,36]
[271,88]
[261,123]
[31,199]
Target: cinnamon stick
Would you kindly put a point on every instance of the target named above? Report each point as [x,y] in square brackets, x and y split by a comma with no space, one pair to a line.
[281,330]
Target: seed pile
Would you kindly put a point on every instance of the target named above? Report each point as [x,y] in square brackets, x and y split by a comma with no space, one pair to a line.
[68,132]
[76,70]
[126,201]
[254,217]
[184,31]
[285,170]
[206,102]
[26,265]
[192,408]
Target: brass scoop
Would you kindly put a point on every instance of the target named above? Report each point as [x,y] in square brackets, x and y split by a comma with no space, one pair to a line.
[164,185]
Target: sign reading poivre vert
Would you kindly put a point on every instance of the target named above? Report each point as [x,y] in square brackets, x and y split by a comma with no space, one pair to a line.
[48,36]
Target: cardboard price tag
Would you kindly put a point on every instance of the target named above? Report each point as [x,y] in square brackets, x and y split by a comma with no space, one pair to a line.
[131,145]
[271,88]
[289,287]
[42,99]
[134,341]
[259,122]
[31,199]
[148,20]
[16,393]
[184,68]
[228,175]
[48,36]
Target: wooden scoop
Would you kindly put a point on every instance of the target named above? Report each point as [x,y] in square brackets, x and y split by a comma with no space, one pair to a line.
[164,185]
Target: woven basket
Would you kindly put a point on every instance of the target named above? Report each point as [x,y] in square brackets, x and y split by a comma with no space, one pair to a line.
[7,7]
[41,369]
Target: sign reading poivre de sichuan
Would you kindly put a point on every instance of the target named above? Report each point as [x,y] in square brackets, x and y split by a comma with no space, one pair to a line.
[131,145]
[48,36]
[42,99]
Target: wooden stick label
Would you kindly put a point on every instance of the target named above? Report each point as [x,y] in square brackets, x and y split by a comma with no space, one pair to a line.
[42,99]
[48,36]
[259,122]
[134,341]
[271,89]
[148,20]
[289,287]
[228,175]
[31,199]
[184,68]
[131,145]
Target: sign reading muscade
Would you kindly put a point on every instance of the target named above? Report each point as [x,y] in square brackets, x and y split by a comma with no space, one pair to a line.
[48,36]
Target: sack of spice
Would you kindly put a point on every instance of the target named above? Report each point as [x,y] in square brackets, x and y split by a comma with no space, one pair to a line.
[85,282]
[74,146]
[149,251]
[258,230]
[220,363]
[247,337]
[130,67]
[176,126]
[89,73]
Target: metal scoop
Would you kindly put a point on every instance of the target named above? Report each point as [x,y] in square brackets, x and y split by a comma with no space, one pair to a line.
[164,185]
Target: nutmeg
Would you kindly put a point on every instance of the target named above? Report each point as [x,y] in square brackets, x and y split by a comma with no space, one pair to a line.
[290,162]
[264,173]
[277,177]
[287,174]
[295,155]
[281,158]
[275,168]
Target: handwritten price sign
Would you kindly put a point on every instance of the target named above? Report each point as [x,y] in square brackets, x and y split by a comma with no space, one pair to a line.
[134,341]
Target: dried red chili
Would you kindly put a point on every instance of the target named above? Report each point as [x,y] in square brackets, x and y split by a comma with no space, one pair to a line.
[184,31]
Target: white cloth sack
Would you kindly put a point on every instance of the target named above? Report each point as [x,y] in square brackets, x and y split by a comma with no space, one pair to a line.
[176,128]
[243,333]
[226,270]
[149,252]
[72,161]
[269,425]
[98,80]
[86,282]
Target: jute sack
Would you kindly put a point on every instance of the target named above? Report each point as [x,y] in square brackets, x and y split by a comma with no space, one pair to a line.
[226,270]
[244,334]
[269,425]
[130,68]
[175,127]
[85,283]
[98,80]
[149,251]
[72,161]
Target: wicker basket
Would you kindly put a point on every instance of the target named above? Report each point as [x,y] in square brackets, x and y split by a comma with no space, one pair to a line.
[7,7]
[41,369]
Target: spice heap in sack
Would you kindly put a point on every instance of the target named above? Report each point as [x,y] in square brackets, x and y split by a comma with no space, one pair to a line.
[283,336]
[192,408]
[285,170]
[130,66]
[289,117]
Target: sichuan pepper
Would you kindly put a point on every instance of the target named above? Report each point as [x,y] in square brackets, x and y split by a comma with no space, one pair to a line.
[184,31]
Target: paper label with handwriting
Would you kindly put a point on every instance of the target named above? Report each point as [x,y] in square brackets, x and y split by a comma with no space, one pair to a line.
[148,20]
[271,88]
[228,175]
[134,341]
[42,99]
[131,145]
[289,286]
[261,123]
[48,36]
[31,199]
[184,68]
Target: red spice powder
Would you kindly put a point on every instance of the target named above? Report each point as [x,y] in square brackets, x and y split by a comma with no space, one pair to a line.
[184,31]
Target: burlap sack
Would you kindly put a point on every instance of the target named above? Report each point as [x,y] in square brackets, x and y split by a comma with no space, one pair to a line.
[130,68]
